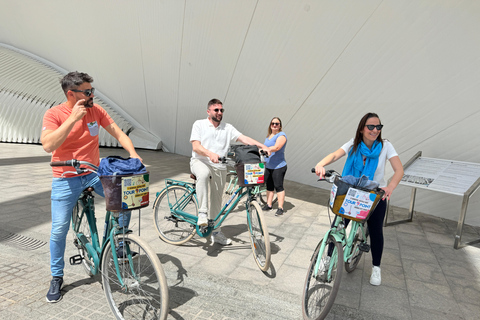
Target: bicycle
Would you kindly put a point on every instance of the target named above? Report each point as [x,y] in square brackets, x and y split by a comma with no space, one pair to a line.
[176,215]
[134,284]
[232,184]
[337,248]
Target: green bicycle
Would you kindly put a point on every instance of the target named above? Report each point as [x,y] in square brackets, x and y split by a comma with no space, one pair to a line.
[134,284]
[176,215]
[335,250]
[232,184]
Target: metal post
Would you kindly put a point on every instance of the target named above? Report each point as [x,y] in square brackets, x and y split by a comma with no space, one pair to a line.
[463,213]
[139,213]
[412,198]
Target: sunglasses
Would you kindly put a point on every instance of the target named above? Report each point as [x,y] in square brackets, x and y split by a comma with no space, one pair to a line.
[275,123]
[216,110]
[371,127]
[87,92]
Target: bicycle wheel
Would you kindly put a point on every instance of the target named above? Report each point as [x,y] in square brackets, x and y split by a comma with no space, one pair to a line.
[170,228]
[353,261]
[320,291]
[262,195]
[259,238]
[144,294]
[80,226]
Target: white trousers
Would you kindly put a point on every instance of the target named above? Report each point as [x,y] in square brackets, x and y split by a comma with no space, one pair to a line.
[217,178]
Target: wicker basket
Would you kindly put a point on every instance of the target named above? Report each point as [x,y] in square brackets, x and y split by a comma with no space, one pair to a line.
[352,202]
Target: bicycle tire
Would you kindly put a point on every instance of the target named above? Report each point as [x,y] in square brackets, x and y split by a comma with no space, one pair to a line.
[352,263]
[320,292]
[171,229]
[262,195]
[80,225]
[259,238]
[145,293]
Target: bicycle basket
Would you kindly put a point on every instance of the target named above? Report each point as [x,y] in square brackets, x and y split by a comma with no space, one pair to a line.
[354,203]
[126,192]
[250,174]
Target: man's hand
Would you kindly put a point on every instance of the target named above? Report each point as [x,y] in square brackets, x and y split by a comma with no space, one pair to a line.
[267,150]
[79,110]
[135,155]
[213,157]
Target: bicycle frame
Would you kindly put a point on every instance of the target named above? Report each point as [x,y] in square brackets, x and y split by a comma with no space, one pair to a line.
[112,228]
[177,207]
[338,231]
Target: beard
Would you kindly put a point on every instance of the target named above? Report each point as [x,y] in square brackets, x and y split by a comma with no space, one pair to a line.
[88,103]
[218,118]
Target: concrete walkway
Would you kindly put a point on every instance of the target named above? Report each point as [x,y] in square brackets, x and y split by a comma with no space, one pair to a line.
[423,276]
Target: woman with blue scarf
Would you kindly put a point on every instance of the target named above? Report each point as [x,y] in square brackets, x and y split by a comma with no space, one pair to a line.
[367,155]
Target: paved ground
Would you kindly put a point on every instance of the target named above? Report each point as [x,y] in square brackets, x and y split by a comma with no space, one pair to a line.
[423,277]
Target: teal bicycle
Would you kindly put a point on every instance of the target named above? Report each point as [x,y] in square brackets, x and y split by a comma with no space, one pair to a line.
[338,247]
[176,215]
[132,275]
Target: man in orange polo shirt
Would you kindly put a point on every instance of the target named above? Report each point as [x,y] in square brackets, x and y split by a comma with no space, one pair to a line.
[70,131]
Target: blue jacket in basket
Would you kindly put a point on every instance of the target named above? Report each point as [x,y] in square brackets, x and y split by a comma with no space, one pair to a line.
[115,165]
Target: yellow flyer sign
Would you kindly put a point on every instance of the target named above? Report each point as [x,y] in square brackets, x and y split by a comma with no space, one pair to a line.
[135,191]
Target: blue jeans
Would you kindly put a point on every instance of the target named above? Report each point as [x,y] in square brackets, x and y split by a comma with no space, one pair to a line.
[65,193]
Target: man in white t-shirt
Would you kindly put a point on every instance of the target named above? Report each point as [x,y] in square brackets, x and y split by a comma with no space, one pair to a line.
[211,140]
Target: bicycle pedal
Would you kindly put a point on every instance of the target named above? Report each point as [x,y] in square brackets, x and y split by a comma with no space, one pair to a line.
[364,247]
[77,259]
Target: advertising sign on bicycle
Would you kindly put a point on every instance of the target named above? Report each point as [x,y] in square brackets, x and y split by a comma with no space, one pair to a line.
[254,173]
[357,203]
[333,193]
[135,191]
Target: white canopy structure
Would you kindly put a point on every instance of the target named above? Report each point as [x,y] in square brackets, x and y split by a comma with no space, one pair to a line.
[318,65]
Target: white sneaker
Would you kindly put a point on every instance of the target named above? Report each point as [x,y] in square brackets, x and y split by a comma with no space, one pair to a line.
[202,219]
[219,237]
[376,278]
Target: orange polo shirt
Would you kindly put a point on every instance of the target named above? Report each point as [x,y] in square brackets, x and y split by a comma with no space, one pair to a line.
[82,141]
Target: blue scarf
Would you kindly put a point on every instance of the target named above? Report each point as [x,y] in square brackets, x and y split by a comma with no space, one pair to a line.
[354,164]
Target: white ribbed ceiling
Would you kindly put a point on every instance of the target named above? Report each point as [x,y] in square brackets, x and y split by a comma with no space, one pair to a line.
[28,87]
[318,65]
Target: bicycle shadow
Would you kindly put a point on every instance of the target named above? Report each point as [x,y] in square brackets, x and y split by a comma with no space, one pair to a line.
[178,295]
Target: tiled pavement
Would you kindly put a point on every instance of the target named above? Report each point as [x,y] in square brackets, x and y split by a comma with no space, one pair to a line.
[423,276]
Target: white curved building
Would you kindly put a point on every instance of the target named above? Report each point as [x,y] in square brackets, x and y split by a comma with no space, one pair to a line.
[318,65]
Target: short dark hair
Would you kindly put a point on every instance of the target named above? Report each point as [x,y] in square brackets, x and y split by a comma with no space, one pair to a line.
[214,101]
[73,80]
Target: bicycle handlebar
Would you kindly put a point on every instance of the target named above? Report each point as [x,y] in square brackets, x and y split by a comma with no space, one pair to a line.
[76,164]
[264,153]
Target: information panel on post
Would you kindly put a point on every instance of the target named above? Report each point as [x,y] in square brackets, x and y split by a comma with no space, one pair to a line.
[439,175]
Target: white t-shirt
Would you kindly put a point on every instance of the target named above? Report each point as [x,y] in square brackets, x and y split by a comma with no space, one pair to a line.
[217,139]
[387,152]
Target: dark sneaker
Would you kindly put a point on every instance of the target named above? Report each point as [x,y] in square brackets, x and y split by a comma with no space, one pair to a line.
[122,256]
[279,212]
[54,294]
[266,208]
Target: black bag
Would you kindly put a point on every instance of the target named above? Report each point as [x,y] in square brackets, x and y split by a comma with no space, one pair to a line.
[247,154]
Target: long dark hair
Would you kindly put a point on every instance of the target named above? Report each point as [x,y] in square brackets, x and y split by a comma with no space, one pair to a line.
[270,126]
[361,126]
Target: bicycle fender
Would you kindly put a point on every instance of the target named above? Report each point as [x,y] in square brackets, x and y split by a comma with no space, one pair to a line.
[96,260]
[338,237]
